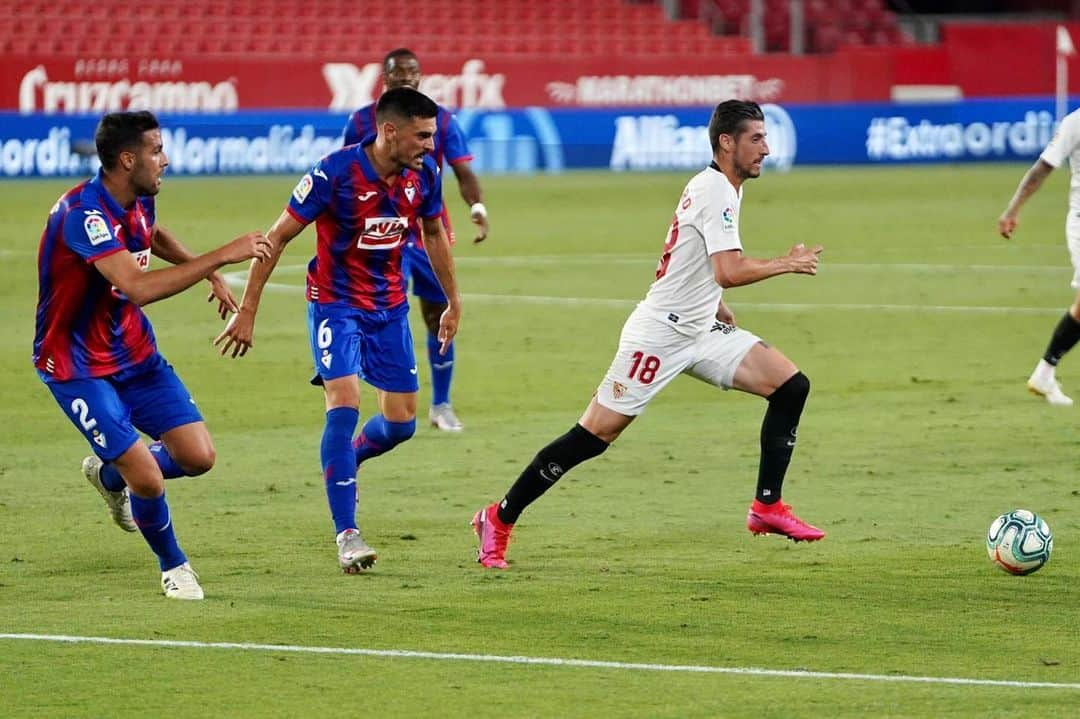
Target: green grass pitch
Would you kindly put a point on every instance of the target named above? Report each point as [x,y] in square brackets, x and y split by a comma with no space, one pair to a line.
[918,335]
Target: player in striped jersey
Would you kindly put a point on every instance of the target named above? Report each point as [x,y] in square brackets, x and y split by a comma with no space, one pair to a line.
[363,199]
[401,68]
[95,349]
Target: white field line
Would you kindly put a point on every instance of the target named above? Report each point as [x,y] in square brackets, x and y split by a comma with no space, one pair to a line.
[543,661]
[237,280]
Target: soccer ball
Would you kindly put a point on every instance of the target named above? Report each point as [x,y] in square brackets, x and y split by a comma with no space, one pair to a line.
[1019,542]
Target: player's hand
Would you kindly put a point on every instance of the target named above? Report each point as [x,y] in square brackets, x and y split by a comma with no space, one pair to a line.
[480,220]
[724,314]
[804,260]
[1006,226]
[238,334]
[245,247]
[219,290]
[448,326]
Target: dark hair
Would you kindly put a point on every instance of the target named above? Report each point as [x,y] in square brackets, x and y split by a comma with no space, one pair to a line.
[121,132]
[728,119]
[404,103]
[398,54]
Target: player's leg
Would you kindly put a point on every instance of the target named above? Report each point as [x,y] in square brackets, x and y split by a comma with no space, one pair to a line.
[766,372]
[433,303]
[335,335]
[649,357]
[97,409]
[151,512]
[1043,380]
[389,364]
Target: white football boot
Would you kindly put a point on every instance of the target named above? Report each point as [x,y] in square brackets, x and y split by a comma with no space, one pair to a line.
[117,502]
[442,417]
[1046,385]
[354,554]
[181,583]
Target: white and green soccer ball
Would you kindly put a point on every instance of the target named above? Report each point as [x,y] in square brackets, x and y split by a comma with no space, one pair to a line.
[1019,542]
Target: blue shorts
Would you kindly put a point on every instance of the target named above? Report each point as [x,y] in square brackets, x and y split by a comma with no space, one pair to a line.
[377,346]
[111,411]
[416,265]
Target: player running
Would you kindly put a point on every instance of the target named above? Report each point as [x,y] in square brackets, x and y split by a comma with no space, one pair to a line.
[362,199]
[683,327]
[401,68]
[95,349]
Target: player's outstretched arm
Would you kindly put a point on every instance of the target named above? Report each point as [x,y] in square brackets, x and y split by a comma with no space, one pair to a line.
[469,185]
[732,268]
[437,245]
[167,246]
[142,288]
[1029,183]
[238,335]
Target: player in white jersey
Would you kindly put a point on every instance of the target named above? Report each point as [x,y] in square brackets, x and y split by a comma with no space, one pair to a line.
[684,327]
[1065,145]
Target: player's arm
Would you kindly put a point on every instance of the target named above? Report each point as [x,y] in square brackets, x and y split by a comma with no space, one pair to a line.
[168,247]
[1029,183]
[732,268]
[239,332]
[469,185]
[142,288]
[437,245]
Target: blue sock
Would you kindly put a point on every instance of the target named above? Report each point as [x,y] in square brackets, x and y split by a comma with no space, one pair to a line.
[169,468]
[112,481]
[380,436]
[110,477]
[153,519]
[442,370]
[339,469]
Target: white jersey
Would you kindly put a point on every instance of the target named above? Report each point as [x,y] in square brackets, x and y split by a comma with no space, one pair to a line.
[706,221]
[1066,145]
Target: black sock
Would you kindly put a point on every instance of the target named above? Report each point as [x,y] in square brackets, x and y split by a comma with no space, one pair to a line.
[778,432]
[550,463]
[1065,336]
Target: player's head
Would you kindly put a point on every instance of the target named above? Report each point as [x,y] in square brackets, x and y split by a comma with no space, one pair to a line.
[737,135]
[406,122]
[129,146]
[401,68]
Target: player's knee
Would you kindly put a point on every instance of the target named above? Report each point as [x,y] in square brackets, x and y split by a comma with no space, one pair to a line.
[794,391]
[199,462]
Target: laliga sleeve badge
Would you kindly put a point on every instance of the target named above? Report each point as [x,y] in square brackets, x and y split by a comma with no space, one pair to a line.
[303,188]
[728,218]
[97,229]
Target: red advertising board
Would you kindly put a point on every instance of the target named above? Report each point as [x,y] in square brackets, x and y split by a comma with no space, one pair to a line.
[198,84]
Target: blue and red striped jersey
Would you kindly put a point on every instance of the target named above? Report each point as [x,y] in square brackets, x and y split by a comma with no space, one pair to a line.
[361,223]
[86,327]
[450,144]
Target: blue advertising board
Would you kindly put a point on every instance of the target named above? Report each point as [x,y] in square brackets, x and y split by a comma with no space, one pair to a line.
[537,139]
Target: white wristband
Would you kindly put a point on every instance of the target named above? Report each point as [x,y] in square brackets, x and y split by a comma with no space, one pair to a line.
[477,208]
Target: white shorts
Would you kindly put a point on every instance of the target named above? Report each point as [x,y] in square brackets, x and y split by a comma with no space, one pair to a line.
[1072,238]
[652,352]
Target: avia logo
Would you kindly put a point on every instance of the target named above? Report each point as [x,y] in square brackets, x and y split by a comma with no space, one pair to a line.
[364,197]
[382,233]
[354,87]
